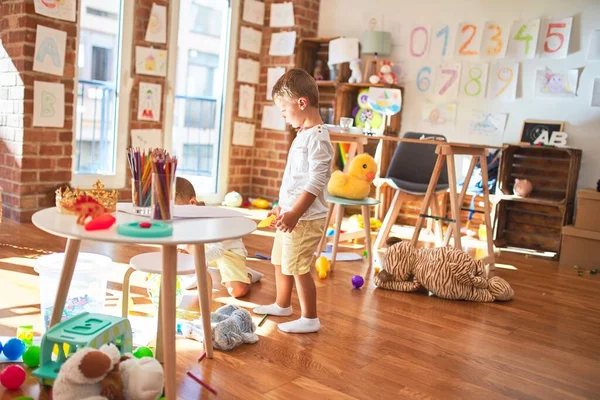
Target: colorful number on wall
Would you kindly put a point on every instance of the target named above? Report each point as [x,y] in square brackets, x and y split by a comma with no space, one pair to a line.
[474,80]
[419,41]
[469,40]
[494,41]
[557,37]
[446,84]
[503,81]
[423,81]
[523,39]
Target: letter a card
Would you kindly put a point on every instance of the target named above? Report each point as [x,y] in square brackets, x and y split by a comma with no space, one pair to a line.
[49,54]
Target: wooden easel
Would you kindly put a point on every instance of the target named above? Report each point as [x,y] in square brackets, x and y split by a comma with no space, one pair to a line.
[446,152]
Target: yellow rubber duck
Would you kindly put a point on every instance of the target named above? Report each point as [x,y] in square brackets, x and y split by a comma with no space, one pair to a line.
[356,183]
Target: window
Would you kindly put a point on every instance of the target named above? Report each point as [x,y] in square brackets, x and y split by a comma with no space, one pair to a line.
[206,20]
[197,159]
[201,73]
[100,63]
[105,47]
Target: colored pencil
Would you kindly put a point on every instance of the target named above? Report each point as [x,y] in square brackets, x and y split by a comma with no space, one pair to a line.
[200,381]
[262,321]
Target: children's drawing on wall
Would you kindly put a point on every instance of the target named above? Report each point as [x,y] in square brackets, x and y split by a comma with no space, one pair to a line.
[250,40]
[48,104]
[60,9]
[150,61]
[489,126]
[156,31]
[438,115]
[254,12]
[550,83]
[282,43]
[149,101]
[246,106]
[248,70]
[146,138]
[50,45]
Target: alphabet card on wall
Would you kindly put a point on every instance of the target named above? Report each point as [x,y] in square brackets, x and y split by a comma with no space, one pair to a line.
[523,39]
[550,83]
[447,81]
[503,81]
[146,138]
[557,34]
[48,104]
[50,45]
[282,43]
[468,40]
[495,40]
[59,9]
[156,31]
[150,61]
[473,81]
[246,106]
[149,101]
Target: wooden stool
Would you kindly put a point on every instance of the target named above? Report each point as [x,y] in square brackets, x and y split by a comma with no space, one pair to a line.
[446,152]
[336,205]
[151,263]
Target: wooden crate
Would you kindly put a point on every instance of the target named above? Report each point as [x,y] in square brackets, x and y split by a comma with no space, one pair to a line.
[535,222]
[531,226]
[553,172]
[309,50]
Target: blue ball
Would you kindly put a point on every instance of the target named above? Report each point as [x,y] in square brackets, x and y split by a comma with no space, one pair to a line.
[0,347]
[14,349]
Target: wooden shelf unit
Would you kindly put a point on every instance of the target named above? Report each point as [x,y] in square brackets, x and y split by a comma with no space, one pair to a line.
[535,222]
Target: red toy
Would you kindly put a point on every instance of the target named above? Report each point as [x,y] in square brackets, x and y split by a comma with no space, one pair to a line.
[86,206]
[13,377]
[145,225]
[103,221]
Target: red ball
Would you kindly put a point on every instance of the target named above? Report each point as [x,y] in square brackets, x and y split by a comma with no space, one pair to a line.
[145,225]
[13,377]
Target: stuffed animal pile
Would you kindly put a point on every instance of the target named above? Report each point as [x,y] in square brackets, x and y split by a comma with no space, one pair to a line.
[446,272]
[231,327]
[104,374]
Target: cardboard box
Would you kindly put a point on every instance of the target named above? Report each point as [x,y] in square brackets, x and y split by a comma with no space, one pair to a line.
[588,210]
[579,247]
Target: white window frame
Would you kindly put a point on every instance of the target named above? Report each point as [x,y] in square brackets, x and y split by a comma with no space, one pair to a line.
[229,68]
[116,181]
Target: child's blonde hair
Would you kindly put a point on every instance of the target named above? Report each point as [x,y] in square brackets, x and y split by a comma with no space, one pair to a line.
[297,83]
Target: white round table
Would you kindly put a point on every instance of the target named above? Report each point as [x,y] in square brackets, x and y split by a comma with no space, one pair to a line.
[185,231]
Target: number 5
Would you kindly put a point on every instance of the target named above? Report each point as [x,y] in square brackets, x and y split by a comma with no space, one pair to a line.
[559,35]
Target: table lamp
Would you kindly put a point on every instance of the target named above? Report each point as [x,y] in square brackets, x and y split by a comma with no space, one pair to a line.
[376,43]
[342,50]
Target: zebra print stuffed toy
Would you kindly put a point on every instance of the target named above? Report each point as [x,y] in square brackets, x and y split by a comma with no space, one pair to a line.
[446,272]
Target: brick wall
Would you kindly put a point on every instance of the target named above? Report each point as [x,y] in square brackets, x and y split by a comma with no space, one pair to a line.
[35,160]
[258,171]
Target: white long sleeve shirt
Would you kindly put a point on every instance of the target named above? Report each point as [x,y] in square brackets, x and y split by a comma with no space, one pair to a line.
[214,251]
[308,168]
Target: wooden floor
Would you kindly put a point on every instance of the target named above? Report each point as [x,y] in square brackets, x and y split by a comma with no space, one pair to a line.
[374,343]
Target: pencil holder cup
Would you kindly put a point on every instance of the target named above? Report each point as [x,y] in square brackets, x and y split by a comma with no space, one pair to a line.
[141,195]
[163,197]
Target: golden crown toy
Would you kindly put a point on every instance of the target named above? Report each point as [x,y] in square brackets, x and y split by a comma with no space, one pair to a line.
[66,198]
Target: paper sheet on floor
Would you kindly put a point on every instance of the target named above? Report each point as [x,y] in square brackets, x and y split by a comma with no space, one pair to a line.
[343,256]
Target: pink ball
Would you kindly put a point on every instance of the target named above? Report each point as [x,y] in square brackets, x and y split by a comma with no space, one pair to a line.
[13,377]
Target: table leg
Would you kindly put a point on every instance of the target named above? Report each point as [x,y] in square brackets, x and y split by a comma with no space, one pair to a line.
[159,333]
[367,226]
[71,253]
[336,236]
[323,242]
[435,177]
[487,216]
[168,287]
[463,192]
[200,263]
[454,205]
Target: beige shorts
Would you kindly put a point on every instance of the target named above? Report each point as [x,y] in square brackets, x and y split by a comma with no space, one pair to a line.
[293,251]
[232,267]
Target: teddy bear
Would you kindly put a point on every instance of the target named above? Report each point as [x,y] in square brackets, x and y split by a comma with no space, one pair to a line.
[385,73]
[356,76]
[103,374]
[231,326]
[446,272]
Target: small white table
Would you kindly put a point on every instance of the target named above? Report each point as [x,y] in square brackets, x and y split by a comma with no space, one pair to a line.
[185,231]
